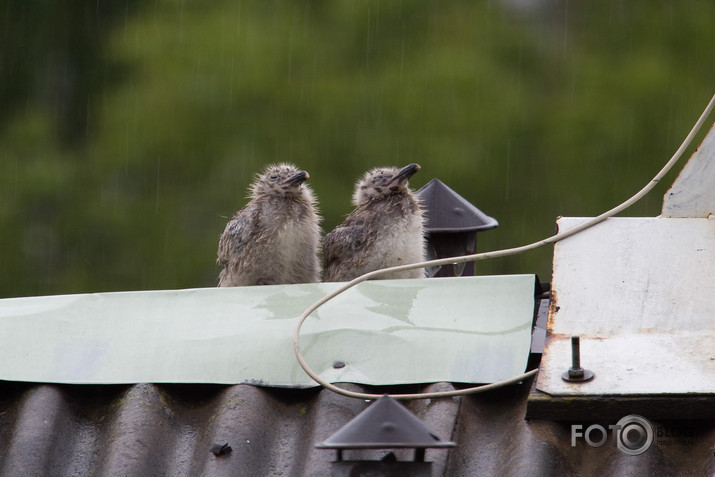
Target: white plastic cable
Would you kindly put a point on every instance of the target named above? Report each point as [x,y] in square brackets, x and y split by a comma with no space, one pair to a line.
[482,256]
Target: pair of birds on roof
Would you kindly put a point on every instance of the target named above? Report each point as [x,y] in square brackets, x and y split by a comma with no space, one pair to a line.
[276,237]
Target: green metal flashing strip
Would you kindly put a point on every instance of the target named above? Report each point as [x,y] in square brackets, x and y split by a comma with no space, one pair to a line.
[471,329]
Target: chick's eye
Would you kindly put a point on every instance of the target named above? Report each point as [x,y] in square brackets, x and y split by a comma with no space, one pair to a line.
[274,178]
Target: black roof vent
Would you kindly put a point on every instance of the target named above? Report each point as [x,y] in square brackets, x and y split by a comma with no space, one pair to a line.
[448,211]
[385,424]
[452,225]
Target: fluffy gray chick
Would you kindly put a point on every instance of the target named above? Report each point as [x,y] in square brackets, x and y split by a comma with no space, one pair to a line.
[385,229]
[275,238]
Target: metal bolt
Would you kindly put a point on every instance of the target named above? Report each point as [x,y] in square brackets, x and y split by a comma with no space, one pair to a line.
[576,374]
[576,371]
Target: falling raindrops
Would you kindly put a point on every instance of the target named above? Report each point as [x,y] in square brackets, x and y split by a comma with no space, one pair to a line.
[140,125]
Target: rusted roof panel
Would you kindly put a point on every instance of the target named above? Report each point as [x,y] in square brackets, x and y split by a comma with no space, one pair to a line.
[692,194]
[639,292]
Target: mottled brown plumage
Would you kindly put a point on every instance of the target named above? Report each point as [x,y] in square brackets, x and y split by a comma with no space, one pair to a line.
[384,230]
[275,238]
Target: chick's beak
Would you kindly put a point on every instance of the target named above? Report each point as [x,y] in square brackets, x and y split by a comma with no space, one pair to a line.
[297,178]
[405,173]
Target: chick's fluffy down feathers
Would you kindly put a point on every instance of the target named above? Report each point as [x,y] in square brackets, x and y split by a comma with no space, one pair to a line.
[275,238]
[385,229]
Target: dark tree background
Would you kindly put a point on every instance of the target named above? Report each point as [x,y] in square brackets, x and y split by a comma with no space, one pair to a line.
[129,131]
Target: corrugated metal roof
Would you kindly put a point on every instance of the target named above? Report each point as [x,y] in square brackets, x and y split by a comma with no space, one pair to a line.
[168,430]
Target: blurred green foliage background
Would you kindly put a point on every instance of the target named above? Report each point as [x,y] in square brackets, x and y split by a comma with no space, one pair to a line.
[130,131]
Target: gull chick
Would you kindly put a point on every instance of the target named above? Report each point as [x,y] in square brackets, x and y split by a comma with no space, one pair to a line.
[384,230]
[275,238]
